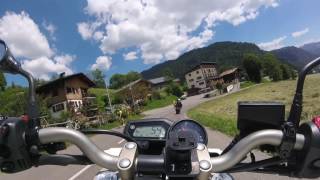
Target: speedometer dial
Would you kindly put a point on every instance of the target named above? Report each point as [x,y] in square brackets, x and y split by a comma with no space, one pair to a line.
[183,125]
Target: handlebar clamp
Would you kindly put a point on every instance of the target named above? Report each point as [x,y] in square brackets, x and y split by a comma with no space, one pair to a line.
[288,140]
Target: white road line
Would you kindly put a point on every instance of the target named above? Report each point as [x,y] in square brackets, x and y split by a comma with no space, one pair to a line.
[80,172]
[121,141]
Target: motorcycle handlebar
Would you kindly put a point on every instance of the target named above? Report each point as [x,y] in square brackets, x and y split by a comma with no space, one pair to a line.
[148,163]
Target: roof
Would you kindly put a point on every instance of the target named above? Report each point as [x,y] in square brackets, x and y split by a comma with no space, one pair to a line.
[157,80]
[131,84]
[198,66]
[62,79]
[229,71]
[161,80]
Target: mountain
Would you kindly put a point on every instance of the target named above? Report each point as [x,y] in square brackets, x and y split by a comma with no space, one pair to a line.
[313,48]
[295,56]
[225,54]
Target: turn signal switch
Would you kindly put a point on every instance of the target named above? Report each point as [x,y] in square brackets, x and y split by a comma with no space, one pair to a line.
[13,148]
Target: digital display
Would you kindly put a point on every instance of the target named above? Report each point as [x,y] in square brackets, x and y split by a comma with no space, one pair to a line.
[149,132]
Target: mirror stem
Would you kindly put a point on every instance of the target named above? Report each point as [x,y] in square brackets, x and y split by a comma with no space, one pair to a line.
[33,111]
[296,107]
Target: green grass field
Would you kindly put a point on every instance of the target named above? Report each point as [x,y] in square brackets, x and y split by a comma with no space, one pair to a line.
[221,113]
[165,101]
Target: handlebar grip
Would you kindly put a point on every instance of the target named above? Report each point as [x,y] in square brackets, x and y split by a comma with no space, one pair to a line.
[245,145]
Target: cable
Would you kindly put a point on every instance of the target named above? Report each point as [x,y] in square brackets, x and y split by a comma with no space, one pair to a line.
[253,166]
[108,132]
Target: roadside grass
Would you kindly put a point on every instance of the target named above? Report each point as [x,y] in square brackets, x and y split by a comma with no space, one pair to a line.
[221,113]
[246,84]
[158,103]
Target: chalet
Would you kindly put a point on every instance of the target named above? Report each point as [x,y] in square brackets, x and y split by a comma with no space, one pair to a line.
[135,91]
[201,76]
[65,93]
[161,82]
[230,76]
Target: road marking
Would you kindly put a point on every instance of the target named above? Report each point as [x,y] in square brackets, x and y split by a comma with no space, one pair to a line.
[121,141]
[80,172]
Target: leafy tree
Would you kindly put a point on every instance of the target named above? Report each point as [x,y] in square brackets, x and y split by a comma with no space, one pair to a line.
[132,76]
[286,74]
[174,89]
[269,62]
[119,80]
[98,78]
[167,73]
[293,73]
[253,67]
[3,81]
[276,74]
[219,86]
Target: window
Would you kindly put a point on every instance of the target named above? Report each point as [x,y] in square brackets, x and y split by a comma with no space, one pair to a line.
[197,72]
[69,90]
[58,107]
[189,74]
[199,77]
[201,83]
[191,80]
[72,90]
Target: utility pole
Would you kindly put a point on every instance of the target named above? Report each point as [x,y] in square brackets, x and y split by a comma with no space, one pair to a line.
[133,103]
[110,105]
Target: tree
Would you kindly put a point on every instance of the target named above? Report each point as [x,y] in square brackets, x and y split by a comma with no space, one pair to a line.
[253,67]
[293,74]
[119,80]
[174,89]
[219,86]
[276,74]
[167,74]
[286,74]
[3,82]
[98,78]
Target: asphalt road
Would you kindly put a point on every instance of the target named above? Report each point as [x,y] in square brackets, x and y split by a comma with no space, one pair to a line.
[79,172]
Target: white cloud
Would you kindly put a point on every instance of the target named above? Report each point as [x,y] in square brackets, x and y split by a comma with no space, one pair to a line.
[88,30]
[274,44]
[65,59]
[42,67]
[102,63]
[23,36]
[130,56]
[50,28]
[162,29]
[27,42]
[300,33]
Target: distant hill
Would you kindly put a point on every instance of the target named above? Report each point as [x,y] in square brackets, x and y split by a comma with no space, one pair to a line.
[225,54]
[313,48]
[295,56]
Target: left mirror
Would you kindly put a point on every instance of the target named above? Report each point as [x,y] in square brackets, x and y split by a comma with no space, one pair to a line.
[8,63]
[3,50]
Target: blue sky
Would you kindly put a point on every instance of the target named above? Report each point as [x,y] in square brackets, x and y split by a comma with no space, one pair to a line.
[118,36]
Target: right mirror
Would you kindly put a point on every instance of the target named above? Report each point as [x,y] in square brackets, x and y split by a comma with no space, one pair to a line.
[3,50]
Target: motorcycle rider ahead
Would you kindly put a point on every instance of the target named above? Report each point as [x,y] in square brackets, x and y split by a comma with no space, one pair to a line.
[178,106]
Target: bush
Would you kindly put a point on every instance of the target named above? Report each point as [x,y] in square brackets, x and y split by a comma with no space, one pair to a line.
[156,95]
[117,99]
